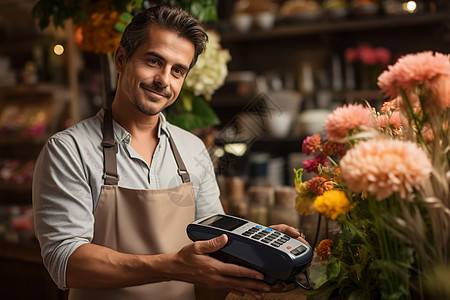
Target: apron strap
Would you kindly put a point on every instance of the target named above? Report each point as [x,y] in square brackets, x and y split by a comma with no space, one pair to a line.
[182,171]
[110,148]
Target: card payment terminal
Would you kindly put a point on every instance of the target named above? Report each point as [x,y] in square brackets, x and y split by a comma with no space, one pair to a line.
[278,256]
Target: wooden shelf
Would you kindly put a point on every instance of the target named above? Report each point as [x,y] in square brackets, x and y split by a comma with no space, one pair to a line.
[327,26]
[29,252]
[15,187]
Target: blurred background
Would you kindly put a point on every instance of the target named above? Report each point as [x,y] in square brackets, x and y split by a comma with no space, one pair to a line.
[284,66]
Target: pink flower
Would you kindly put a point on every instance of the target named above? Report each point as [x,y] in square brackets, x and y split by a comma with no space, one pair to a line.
[412,70]
[384,166]
[351,55]
[393,120]
[312,164]
[440,91]
[390,105]
[345,119]
[427,133]
[383,56]
[311,144]
[367,54]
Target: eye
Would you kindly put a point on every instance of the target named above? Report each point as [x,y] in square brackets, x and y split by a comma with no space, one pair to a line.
[153,62]
[178,72]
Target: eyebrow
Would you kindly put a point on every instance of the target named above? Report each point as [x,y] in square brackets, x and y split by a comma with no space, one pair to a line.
[159,56]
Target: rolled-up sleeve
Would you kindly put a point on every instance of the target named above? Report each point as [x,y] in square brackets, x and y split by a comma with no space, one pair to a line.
[62,206]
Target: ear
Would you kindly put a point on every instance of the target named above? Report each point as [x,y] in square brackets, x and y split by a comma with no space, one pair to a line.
[119,59]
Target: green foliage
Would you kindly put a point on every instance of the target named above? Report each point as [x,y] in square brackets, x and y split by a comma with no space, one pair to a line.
[200,116]
[367,261]
[58,11]
[204,10]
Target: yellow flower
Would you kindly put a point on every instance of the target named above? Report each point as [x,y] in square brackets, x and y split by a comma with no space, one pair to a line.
[332,204]
[304,204]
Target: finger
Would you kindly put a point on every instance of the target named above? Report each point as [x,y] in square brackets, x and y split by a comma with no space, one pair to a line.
[212,245]
[289,230]
[303,240]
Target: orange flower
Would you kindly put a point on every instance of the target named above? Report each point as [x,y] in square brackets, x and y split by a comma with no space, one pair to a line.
[318,185]
[311,144]
[331,148]
[323,250]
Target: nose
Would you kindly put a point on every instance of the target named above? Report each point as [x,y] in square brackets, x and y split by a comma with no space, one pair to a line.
[162,77]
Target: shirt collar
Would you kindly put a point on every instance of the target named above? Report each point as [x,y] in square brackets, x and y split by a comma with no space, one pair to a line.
[120,134]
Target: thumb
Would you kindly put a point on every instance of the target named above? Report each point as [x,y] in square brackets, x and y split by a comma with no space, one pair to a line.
[214,244]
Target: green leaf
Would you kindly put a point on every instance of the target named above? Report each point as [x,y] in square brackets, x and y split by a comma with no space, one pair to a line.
[358,295]
[318,275]
[126,17]
[120,27]
[333,269]
[201,116]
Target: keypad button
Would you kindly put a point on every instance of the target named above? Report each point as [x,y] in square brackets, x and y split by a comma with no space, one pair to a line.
[299,250]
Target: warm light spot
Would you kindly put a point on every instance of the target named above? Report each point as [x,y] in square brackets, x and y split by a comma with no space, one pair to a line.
[410,6]
[237,149]
[219,152]
[58,49]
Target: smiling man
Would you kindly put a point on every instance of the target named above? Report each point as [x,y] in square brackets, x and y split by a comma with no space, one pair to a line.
[113,194]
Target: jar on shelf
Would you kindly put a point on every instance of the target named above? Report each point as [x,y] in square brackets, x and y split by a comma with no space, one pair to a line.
[283,211]
[234,199]
[261,198]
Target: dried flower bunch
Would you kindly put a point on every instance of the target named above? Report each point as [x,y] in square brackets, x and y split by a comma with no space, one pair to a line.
[385,177]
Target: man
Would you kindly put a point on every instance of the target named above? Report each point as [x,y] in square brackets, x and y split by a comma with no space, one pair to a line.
[112,195]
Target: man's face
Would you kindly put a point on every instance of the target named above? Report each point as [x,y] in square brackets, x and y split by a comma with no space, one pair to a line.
[154,75]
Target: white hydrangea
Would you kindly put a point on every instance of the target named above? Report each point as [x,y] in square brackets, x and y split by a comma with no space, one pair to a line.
[211,69]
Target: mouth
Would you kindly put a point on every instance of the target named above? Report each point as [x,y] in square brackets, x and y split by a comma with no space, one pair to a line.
[154,91]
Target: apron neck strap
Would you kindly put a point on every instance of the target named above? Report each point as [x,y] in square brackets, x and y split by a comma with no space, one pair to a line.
[110,149]
[182,171]
[110,174]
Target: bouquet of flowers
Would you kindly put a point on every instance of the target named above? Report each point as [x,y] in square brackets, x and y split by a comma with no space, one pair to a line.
[385,177]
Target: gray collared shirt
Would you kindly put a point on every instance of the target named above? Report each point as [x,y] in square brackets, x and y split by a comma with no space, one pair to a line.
[68,179]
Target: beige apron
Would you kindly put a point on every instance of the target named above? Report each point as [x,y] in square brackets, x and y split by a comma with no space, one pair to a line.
[141,222]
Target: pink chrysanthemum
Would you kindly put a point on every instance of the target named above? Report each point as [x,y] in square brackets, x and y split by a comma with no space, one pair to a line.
[427,133]
[412,70]
[310,144]
[383,167]
[393,120]
[312,164]
[318,185]
[440,91]
[390,105]
[345,119]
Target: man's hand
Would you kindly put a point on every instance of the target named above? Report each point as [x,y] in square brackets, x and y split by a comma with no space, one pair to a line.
[195,266]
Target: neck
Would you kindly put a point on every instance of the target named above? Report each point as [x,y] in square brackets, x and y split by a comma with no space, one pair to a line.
[138,124]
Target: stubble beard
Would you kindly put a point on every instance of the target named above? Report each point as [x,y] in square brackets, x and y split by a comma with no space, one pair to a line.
[146,109]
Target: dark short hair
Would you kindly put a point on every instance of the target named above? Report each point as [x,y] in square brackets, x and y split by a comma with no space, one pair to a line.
[170,18]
